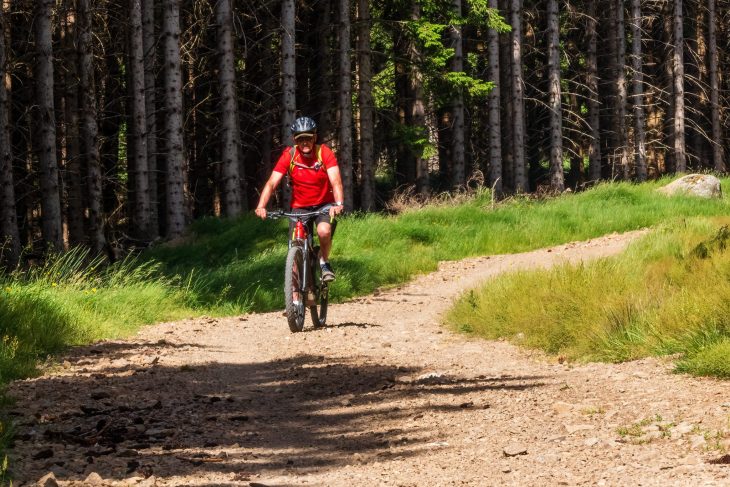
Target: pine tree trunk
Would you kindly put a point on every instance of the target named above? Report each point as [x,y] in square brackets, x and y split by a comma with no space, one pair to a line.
[323,81]
[717,140]
[150,66]
[9,234]
[405,162]
[288,68]
[288,78]
[417,109]
[507,107]
[638,93]
[344,156]
[557,179]
[72,177]
[495,128]
[89,129]
[518,101]
[680,152]
[594,149]
[621,92]
[46,126]
[458,141]
[174,152]
[141,207]
[367,109]
[231,174]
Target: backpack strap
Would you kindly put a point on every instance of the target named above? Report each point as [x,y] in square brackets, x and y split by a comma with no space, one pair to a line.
[292,154]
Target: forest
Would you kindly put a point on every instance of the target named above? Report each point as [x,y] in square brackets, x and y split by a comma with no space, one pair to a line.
[122,122]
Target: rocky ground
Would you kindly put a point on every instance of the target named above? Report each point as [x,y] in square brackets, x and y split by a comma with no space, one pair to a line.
[384,395]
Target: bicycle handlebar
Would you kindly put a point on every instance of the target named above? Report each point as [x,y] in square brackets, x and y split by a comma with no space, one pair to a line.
[281,213]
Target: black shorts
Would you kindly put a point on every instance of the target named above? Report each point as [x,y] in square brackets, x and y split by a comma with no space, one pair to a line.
[319,219]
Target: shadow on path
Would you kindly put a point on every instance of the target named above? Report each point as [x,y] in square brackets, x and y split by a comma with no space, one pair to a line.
[304,413]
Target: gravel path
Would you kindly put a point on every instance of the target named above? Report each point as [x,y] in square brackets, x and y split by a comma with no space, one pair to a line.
[383,396]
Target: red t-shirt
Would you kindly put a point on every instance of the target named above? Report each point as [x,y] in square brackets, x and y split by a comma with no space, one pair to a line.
[310,186]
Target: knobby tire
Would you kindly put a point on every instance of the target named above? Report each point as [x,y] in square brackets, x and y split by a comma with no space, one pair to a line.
[319,319]
[293,272]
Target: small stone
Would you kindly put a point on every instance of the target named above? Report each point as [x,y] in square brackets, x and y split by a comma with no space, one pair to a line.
[94,479]
[150,481]
[514,449]
[48,480]
[562,408]
[574,428]
[682,429]
[591,441]
[506,470]
[697,441]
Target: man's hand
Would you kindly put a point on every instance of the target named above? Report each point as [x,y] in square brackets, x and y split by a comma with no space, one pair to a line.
[261,213]
[336,209]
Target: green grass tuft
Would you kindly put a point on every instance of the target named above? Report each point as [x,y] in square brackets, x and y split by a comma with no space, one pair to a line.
[713,360]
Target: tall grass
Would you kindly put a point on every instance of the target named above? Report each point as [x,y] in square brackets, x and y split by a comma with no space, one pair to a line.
[238,264]
[72,300]
[668,294]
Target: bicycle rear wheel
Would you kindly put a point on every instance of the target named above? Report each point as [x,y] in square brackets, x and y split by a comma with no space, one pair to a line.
[293,290]
[319,316]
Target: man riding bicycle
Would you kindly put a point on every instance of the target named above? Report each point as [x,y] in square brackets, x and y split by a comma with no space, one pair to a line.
[316,183]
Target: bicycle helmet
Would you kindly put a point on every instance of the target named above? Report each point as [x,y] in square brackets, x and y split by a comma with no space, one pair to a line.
[303,125]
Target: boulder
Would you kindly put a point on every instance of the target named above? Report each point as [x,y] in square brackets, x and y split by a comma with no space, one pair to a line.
[702,185]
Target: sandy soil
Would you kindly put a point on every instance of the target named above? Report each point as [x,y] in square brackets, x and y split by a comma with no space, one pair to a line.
[383,396]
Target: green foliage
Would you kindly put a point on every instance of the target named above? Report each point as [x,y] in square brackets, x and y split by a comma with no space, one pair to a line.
[481,15]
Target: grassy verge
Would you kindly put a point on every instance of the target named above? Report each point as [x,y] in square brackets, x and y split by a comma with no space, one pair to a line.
[668,294]
[71,301]
[238,264]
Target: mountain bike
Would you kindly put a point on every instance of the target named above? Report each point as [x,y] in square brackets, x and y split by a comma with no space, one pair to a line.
[303,284]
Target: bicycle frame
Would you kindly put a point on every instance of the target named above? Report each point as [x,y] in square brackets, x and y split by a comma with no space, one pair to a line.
[307,242]
[300,289]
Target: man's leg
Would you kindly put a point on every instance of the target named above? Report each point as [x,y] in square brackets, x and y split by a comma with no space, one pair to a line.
[324,232]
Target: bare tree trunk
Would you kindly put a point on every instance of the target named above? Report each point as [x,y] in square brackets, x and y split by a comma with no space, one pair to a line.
[680,152]
[717,141]
[150,64]
[638,95]
[9,234]
[323,96]
[367,109]
[557,178]
[232,203]
[46,139]
[417,109]
[621,92]
[495,129]
[458,140]
[507,103]
[288,78]
[594,150]
[141,207]
[174,152]
[288,68]
[73,179]
[344,155]
[518,101]
[89,129]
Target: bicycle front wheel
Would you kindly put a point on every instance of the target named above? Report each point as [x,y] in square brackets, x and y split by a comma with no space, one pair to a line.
[319,317]
[293,295]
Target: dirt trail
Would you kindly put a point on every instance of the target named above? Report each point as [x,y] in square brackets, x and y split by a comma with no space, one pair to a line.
[383,396]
